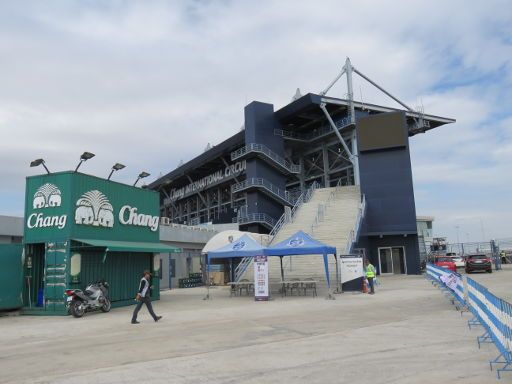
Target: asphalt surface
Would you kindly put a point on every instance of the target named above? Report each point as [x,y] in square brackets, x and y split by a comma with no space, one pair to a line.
[407,332]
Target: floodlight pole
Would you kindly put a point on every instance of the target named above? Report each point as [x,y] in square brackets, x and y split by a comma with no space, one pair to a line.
[45,167]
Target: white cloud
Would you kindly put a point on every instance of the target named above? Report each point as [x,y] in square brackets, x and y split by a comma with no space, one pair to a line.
[150,83]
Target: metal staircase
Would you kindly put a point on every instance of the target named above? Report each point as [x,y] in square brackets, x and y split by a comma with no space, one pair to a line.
[354,234]
[266,154]
[332,216]
[285,218]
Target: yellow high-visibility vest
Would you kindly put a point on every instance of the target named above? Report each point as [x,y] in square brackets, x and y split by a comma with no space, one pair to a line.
[370,271]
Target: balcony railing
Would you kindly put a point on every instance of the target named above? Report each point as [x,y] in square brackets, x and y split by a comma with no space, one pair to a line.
[268,153]
[261,218]
[282,194]
[310,136]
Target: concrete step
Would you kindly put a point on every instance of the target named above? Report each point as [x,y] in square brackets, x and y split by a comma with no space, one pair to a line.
[339,219]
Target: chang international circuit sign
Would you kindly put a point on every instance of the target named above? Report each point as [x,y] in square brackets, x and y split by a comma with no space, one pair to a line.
[227,173]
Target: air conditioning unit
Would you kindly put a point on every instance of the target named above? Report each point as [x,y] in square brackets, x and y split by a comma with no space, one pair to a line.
[165,221]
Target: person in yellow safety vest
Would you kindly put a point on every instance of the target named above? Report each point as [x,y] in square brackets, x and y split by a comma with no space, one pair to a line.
[370,273]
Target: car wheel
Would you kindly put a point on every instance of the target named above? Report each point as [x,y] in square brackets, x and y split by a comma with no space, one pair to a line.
[489,271]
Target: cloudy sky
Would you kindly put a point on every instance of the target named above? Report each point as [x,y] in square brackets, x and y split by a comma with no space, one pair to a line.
[150,83]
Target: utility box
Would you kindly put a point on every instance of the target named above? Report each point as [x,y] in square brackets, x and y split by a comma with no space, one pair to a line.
[80,229]
[11,260]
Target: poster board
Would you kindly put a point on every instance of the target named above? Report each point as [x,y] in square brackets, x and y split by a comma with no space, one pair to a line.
[261,291]
[351,273]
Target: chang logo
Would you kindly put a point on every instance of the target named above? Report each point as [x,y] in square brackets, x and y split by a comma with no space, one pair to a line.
[238,246]
[93,208]
[47,195]
[296,242]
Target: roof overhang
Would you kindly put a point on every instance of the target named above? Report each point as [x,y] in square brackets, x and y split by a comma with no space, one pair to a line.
[309,106]
[129,246]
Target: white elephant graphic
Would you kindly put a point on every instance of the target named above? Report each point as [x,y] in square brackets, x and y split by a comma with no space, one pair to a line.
[39,201]
[106,218]
[54,200]
[47,195]
[84,215]
[93,208]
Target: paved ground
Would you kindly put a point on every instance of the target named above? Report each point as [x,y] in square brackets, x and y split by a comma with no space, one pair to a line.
[406,333]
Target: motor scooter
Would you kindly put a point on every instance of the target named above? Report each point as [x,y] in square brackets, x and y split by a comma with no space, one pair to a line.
[93,298]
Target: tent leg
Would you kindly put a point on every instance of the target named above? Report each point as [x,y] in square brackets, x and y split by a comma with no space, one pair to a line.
[207,297]
[330,295]
[283,292]
[338,288]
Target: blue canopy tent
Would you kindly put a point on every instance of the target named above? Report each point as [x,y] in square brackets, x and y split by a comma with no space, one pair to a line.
[301,243]
[245,246]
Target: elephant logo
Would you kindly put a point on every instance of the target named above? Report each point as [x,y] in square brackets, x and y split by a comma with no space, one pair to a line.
[296,242]
[93,208]
[48,195]
[238,246]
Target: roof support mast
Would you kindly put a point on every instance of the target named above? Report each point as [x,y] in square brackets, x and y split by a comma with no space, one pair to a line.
[348,69]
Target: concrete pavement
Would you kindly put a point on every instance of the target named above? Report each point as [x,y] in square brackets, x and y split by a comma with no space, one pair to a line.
[406,333]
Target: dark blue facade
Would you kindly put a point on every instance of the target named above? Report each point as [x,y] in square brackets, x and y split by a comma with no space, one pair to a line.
[260,123]
[386,181]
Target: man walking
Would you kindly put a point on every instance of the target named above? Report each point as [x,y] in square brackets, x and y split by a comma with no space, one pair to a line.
[370,275]
[144,297]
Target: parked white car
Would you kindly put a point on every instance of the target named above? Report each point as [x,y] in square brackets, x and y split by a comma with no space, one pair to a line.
[459,261]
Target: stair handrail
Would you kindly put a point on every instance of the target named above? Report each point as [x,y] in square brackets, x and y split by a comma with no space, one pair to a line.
[354,233]
[262,148]
[321,207]
[260,182]
[303,198]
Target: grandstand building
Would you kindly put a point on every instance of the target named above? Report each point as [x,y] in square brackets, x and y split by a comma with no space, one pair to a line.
[335,168]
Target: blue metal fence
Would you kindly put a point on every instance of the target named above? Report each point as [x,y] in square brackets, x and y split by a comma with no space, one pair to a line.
[490,311]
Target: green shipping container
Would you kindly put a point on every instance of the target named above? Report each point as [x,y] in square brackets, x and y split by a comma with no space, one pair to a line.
[80,229]
[11,268]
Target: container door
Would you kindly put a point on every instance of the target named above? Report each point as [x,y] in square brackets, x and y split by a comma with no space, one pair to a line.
[56,261]
[33,275]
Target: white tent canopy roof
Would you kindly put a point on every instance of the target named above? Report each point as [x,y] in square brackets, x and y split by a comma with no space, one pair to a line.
[223,238]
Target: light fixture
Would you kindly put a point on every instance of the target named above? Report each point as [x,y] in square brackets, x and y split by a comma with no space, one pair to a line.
[85,156]
[116,167]
[38,162]
[141,176]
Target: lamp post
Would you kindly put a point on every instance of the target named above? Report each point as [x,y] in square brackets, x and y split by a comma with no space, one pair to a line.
[141,176]
[115,167]
[39,162]
[85,156]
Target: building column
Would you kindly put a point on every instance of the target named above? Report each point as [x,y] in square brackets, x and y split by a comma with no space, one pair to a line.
[325,158]
[301,175]
[355,162]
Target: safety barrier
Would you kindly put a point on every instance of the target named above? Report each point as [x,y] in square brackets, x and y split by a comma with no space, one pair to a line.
[493,313]
[451,283]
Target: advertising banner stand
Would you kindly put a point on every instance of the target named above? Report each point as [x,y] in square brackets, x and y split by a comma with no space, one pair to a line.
[261,291]
[351,273]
